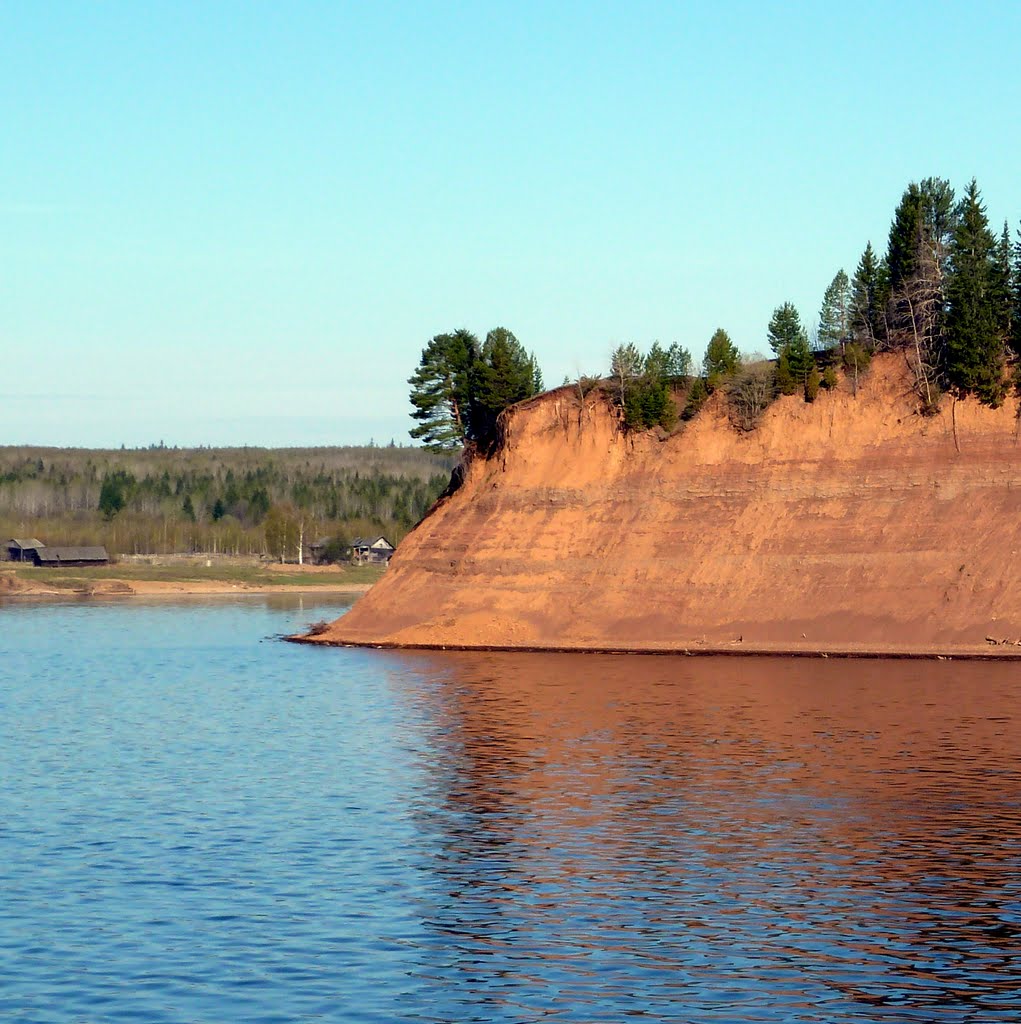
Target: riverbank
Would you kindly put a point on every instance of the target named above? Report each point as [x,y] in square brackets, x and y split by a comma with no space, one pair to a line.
[993,650]
[182,577]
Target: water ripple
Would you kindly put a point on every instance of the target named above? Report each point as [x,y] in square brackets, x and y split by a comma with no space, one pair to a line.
[195,826]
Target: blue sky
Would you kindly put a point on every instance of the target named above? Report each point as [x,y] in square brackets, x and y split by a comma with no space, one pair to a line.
[227,223]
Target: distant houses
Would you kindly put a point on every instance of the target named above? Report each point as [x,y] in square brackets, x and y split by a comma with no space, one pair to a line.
[361,551]
[32,550]
[371,551]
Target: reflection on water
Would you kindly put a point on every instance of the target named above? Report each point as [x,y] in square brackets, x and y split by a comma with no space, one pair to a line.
[754,840]
[198,826]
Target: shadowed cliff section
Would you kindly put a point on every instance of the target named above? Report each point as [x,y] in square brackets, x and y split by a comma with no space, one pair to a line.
[849,524]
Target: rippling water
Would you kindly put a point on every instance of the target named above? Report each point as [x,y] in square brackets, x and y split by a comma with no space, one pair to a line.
[199,823]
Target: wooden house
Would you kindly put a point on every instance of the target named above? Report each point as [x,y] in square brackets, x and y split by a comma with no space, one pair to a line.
[371,551]
[21,549]
[319,553]
[60,556]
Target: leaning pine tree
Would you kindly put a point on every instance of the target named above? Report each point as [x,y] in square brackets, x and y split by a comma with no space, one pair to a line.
[441,390]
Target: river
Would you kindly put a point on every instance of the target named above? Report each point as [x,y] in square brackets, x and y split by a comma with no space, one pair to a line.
[199,822]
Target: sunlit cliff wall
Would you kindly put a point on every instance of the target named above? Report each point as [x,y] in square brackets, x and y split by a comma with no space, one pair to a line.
[853,520]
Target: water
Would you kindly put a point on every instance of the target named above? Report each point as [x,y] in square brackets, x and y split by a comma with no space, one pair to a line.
[200,823]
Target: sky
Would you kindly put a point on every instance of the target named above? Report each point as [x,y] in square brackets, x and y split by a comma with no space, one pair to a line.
[240,223]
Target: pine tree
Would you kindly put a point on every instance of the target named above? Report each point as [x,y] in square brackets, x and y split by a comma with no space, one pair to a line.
[974,352]
[917,264]
[868,301]
[656,361]
[112,496]
[1015,338]
[785,328]
[788,339]
[721,358]
[503,374]
[440,390]
[1002,286]
[800,359]
[835,314]
[678,362]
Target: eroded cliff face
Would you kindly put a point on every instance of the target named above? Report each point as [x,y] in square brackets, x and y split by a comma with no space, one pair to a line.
[852,521]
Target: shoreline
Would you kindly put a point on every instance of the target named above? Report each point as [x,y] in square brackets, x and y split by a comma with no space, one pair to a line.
[847,651]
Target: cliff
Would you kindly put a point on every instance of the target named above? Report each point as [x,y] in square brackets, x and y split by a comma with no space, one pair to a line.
[851,523]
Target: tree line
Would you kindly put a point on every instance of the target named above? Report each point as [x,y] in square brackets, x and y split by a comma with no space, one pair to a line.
[237,501]
[946,292]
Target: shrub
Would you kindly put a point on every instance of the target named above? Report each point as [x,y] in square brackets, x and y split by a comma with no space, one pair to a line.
[785,382]
[856,357]
[812,382]
[336,550]
[749,395]
[697,395]
[648,404]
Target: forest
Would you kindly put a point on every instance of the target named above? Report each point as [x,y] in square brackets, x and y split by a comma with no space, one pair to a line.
[239,501]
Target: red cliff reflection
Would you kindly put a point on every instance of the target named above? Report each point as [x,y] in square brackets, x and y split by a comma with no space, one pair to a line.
[880,799]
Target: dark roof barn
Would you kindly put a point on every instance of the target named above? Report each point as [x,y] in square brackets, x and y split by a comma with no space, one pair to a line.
[71,556]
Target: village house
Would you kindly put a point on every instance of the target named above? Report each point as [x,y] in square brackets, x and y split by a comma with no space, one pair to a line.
[318,553]
[71,556]
[371,551]
[21,549]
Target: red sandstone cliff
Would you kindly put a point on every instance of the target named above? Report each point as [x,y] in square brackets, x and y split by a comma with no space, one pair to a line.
[850,522]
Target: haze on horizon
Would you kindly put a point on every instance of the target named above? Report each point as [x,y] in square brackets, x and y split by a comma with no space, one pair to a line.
[222,224]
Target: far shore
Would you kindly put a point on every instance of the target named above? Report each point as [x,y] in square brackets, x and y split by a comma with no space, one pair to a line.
[177,577]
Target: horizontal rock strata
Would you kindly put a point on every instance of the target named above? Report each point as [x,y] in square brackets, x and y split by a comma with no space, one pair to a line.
[853,520]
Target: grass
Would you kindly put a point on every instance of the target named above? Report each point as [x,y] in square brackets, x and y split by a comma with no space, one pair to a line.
[256,574]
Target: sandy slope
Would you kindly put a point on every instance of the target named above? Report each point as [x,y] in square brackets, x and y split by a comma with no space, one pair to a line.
[853,523]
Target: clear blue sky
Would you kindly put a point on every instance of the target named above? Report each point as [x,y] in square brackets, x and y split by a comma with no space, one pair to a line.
[241,222]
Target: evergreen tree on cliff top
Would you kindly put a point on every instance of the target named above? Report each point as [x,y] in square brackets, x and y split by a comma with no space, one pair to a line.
[974,345]
[917,255]
[835,314]
[503,374]
[1015,334]
[785,328]
[1003,287]
[721,358]
[788,339]
[461,387]
[869,294]
[441,391]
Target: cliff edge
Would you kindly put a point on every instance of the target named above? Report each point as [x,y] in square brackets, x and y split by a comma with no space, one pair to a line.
[850,523]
